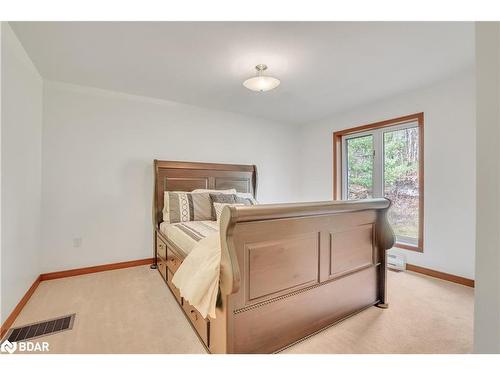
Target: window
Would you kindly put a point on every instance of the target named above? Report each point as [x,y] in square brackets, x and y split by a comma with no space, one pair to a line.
[385,159]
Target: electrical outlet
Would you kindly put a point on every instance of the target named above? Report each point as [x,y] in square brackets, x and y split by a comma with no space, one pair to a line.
[77,242]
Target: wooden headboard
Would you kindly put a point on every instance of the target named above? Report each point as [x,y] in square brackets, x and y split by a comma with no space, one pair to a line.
[187,176]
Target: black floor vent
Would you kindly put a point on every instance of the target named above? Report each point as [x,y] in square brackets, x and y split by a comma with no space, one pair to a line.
[47,327]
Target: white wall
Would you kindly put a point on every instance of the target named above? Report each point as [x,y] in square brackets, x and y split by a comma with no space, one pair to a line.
[487,291]
[21,151]
[98,151]
[449,148]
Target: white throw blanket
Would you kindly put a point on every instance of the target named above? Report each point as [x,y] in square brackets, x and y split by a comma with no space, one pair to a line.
[198,276]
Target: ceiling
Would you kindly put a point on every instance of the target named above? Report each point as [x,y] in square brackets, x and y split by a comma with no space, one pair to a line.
[324,67]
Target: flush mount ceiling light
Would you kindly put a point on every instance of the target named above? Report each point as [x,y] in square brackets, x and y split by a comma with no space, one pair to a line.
[261,82]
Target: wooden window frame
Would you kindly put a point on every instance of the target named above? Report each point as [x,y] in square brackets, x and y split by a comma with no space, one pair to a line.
[337,166]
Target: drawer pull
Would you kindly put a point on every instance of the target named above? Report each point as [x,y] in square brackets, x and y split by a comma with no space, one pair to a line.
[194,314]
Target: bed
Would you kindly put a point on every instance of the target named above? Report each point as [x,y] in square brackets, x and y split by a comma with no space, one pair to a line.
[287,270]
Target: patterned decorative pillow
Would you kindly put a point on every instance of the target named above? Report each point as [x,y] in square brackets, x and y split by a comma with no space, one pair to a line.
[232,199]
[219,206]
[245,201]
[223,198]
[180,206]
[248,196]
[243,198]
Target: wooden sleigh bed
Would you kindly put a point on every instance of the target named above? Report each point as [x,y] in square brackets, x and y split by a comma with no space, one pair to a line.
[287,270]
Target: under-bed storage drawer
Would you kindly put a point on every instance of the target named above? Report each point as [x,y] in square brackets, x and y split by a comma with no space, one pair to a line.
[161,247]
[162,267]
[200,324]
[173,262]
[173,288]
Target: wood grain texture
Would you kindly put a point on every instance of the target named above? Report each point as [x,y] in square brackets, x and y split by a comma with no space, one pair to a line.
[273,326]
[281,265]
[188,176]
[276,221]
[337,165]
[290,311]
[161,248]
[93,269]
[13,315]
[162,268]
[441,275]
[173,261]
[200,325]
[351,249]
[204,166]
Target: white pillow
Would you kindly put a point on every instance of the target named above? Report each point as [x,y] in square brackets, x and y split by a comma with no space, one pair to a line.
[227,191]
[219,206]
[166,216]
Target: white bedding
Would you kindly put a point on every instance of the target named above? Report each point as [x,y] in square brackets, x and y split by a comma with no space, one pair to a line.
[186,235]
[198,276]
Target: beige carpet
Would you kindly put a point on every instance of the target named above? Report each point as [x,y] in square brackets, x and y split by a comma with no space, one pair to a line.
[132,311]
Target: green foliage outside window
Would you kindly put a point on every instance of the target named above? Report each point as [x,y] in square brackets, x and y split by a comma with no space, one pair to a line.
[400,163]
[360,161]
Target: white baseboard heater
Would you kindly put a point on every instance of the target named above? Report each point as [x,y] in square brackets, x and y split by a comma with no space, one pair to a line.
[396,262]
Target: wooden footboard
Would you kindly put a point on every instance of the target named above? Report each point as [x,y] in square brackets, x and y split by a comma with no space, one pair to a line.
[290,270]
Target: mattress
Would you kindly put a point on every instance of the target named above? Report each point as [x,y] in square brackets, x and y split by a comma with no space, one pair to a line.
[187,234]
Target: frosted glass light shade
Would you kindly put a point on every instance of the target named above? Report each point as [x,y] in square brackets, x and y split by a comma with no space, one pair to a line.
[261,83]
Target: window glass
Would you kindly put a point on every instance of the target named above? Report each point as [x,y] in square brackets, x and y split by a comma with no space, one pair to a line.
[385,162]
[401,183]
[360,167]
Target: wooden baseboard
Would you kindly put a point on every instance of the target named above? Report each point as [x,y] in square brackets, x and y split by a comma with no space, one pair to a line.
[57,275]
[13,315]
[101,268]
[441,275]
